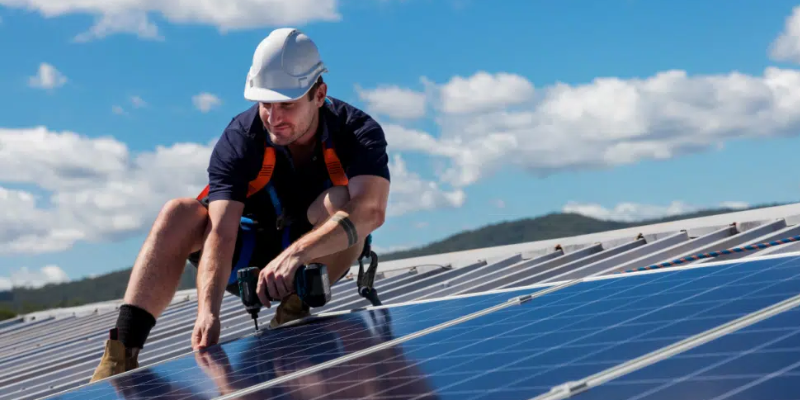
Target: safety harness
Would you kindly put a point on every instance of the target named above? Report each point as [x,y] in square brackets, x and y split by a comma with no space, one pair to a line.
[336,177]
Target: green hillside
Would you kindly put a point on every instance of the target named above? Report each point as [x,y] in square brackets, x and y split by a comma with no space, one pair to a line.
[112,285]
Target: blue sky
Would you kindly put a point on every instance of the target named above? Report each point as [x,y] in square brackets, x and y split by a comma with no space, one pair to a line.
[530,107]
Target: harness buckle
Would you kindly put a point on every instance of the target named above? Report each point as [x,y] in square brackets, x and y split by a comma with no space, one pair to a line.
[280,222]
[366,279]
[283,221]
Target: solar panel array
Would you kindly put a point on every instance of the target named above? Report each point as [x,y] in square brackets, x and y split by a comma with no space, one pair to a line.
[514,327]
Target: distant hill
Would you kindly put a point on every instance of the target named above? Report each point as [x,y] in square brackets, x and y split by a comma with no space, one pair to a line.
[112,285]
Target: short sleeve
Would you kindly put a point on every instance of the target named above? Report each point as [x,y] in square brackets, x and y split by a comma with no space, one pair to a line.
[369,153]
[234,161]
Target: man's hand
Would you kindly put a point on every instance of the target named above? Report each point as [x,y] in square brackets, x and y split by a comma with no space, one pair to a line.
[206,331]
[277,278]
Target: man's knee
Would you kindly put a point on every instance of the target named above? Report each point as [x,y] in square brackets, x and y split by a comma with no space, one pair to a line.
[186,216]
[185,211]
[327,204]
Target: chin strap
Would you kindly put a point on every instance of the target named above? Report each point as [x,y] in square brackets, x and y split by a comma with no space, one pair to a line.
[366,279]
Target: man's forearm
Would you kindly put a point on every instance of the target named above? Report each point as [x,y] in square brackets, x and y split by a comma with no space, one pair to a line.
[342,230]
[213,272]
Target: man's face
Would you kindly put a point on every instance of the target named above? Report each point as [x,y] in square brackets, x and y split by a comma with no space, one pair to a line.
[286,122]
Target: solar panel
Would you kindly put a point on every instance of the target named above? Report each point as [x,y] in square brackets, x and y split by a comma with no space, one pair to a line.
[269,354]
[758,362]
[571,332]
[567,334]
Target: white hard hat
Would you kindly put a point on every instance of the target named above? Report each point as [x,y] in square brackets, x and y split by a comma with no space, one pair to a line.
[285,66]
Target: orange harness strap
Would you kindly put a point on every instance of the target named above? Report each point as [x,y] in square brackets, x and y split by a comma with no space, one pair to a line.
[264,174]
[335,170]
[334,166]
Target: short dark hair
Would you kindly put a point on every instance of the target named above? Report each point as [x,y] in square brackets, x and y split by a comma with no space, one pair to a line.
[313,91]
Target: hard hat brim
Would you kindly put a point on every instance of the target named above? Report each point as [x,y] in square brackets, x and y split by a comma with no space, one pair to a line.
[263,95]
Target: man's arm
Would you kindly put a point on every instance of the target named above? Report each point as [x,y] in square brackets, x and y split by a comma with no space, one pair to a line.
[363,214]
[215,263]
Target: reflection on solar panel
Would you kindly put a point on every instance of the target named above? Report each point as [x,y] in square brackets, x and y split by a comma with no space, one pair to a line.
[485,346]
[270,354]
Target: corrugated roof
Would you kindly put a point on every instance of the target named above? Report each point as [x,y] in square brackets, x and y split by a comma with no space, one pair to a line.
[56,350]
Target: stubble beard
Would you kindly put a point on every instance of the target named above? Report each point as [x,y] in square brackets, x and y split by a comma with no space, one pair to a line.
[296,134]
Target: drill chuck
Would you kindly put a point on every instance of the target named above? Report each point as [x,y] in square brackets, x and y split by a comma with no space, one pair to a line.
[248,282]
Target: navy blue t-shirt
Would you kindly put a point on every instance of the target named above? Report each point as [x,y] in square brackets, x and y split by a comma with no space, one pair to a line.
[357,138]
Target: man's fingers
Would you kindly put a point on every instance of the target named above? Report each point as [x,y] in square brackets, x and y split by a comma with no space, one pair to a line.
[196,339]
[261,291]
[280,286]
[272,288]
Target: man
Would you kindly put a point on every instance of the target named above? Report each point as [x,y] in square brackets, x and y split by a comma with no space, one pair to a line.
[282,164]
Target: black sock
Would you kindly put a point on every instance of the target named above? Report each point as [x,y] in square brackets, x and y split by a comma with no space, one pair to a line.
[133,326]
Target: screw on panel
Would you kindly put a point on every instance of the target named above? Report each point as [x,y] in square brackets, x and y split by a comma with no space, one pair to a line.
[570,388]
[520,299]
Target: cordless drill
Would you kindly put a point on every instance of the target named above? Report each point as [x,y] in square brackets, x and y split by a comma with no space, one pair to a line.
[311,285]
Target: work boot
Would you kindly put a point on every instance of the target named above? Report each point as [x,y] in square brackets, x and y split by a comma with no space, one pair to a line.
[290,309]
[116,358]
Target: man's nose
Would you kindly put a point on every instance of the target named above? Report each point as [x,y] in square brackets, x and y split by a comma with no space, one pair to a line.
[274,115]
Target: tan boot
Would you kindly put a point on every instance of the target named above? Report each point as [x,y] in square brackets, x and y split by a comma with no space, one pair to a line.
[290,309]
[116,359]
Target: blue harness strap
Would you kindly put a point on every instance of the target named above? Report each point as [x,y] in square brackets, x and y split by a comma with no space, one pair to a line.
[281,223]
[246,251]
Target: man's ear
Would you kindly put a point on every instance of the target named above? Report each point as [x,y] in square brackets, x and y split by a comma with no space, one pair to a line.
[321,94]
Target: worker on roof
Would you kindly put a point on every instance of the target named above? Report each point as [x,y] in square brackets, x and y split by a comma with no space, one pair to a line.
[313,172]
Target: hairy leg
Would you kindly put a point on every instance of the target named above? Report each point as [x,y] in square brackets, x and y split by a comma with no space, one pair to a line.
[179,230]
[327,204]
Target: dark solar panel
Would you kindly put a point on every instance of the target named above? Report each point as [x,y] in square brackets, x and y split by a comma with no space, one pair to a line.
[268,355]
[565,335]
[759,362]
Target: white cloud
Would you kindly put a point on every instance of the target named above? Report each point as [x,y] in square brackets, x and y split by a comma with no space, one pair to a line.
[391,249]
[47,77]
[24,277]
[736,205]
[206,101]
[483,92]
[786,47]
[632,212]
[138,102]
[603,123]
[133,16]
[96,190]
[411,193]
[394,102]
[120,21]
